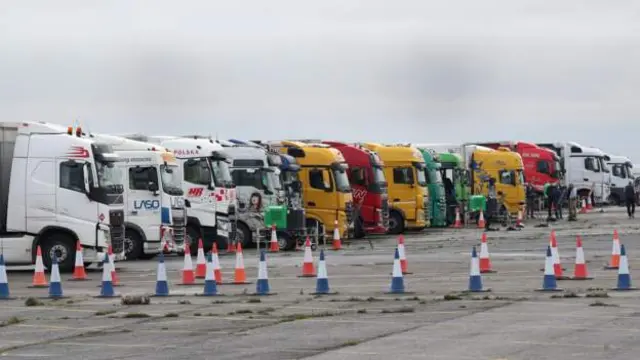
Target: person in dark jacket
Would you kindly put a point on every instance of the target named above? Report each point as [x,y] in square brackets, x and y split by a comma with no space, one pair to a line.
[531,197]
[630,199]
[492,203]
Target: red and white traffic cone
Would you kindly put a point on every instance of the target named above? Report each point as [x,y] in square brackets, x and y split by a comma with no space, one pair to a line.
[404,266]
[337,244]
[557,265]
[458,222]
[79,273]
[580,270]
[485,261]
[112,264]
[614,263]
[308,269]
[481,222]
[273,244]
[201,265]
[583,207]
[217,273]
[39,279]
[188,275]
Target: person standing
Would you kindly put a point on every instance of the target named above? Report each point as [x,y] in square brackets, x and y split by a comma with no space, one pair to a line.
[573,199]
[492,203]
[630,199]
[531,197]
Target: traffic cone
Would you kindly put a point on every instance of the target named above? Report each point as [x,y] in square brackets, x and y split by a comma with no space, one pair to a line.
[475,279]
[240,276]
[337,244]
[231,246]
[403,256]
[589,205]
[557,266]
[201,266]
[79,273]
[615,253]
[188,275]
[458,223]
[481,222]
[580,270]
[322,280]
[262,285]
[549,280]
[397,281]
[162,287]
[217,273]
[210,287]
[308,269]
[107,282]
[485,261]
[273,244]
[624,278]
[55,287]
[4,282]
[583,207]
[39,280]
[112,265]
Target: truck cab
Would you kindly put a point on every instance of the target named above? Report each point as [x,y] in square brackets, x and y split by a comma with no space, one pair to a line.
[59,187]
[437,199]
[621,173]
[153,196]
[405,168]
[326,188]
[208,187]
[368,187]
[584,167]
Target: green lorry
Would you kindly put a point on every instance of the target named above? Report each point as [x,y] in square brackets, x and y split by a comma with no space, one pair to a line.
[437,202]
[456,183]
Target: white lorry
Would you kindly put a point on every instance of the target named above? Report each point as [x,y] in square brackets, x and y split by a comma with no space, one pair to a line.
[58,186]
[585,168]
[153,197]
[208,188]
[621,174]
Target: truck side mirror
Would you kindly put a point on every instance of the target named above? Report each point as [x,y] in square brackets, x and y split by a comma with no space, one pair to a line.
[85,174]
[153,187]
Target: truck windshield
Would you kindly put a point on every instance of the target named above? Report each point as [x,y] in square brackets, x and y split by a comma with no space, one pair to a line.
[288,177]
[342,181]
[422,179]
[435,177]
[274,180]
[221,174]
[520,177]
[171,182]
[378,175]
[252,177]
[603,165]
[556,172]
[110,179]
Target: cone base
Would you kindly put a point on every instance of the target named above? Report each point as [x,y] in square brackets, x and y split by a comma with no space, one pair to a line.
[307,275]
[326,293]
[114,285]
[488,272]
[266,294]
[476,291]
[38,287]
[580,278]
[83,279]
[407,273]
[607,267]
[550,290]
[563,277]
[563,269]
[237,283]
[401,292]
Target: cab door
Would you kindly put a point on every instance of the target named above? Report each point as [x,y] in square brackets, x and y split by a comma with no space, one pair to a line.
[143,204]
[320,199]
[402,183]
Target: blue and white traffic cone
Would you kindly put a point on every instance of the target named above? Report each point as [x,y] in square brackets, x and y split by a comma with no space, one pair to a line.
[549,282]
[397,281]
[55,287]
[475,280]
[106,289]
[624,278]
[262,285]
[162,287]
[4,282]
[322,280]
[210,287]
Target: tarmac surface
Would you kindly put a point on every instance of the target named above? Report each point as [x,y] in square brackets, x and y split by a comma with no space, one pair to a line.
[434,320]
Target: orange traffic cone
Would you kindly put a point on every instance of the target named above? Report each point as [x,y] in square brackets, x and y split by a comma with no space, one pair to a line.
[458,223]
[308,270]
[614,264]
[231,248]
[217,273]
[583,207]
[481,222]
[239,276]
[273,245]
[201,265]
[589,204]
[580,269]
[188,275]
[39,280]
[557,266]
[115,281]
[485,261]
[79,272]
[403,256]
[337,244]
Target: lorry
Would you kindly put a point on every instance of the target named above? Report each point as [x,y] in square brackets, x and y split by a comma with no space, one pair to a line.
[404,166]
[541,165]
[153,196]
[584,167]
[59,187]
[621,173]
[368,187]
[325,186]
[208,187]
[258,191]
[437,198]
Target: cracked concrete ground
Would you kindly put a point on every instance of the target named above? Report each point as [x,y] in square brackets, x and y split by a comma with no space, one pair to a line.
[513,321]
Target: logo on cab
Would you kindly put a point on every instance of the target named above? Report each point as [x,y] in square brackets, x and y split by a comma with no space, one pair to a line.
[146,204]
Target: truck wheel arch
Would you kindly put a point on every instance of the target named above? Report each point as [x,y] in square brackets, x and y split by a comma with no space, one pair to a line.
[138,231]
[48,231]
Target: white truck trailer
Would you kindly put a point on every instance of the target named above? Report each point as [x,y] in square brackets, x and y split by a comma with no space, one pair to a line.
[58,186]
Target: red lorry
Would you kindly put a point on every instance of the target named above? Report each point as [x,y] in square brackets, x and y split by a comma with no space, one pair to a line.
[541,165]
[369,188]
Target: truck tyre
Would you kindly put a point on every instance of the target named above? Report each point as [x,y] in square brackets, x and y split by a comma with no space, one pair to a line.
[285,241]
[63,247]
[615,200]
[358,231]
[132,244]
[243,235]
[396,223]
[193,234]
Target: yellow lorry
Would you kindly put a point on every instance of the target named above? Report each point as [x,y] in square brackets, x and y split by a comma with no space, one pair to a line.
[404,169]
[326,190]
[502,164]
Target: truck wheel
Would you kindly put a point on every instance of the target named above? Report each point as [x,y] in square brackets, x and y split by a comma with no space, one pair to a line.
[243,236]
[286,241]
[62,247]
[132,244]
[191,238]
[396,223]
[358,231]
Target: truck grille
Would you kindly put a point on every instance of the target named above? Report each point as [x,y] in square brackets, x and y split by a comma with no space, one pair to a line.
[385,213]
[179,227]
[427,213]
[116,222]
[295,219]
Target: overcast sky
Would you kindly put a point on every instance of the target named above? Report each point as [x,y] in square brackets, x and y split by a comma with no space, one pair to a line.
[419,71]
